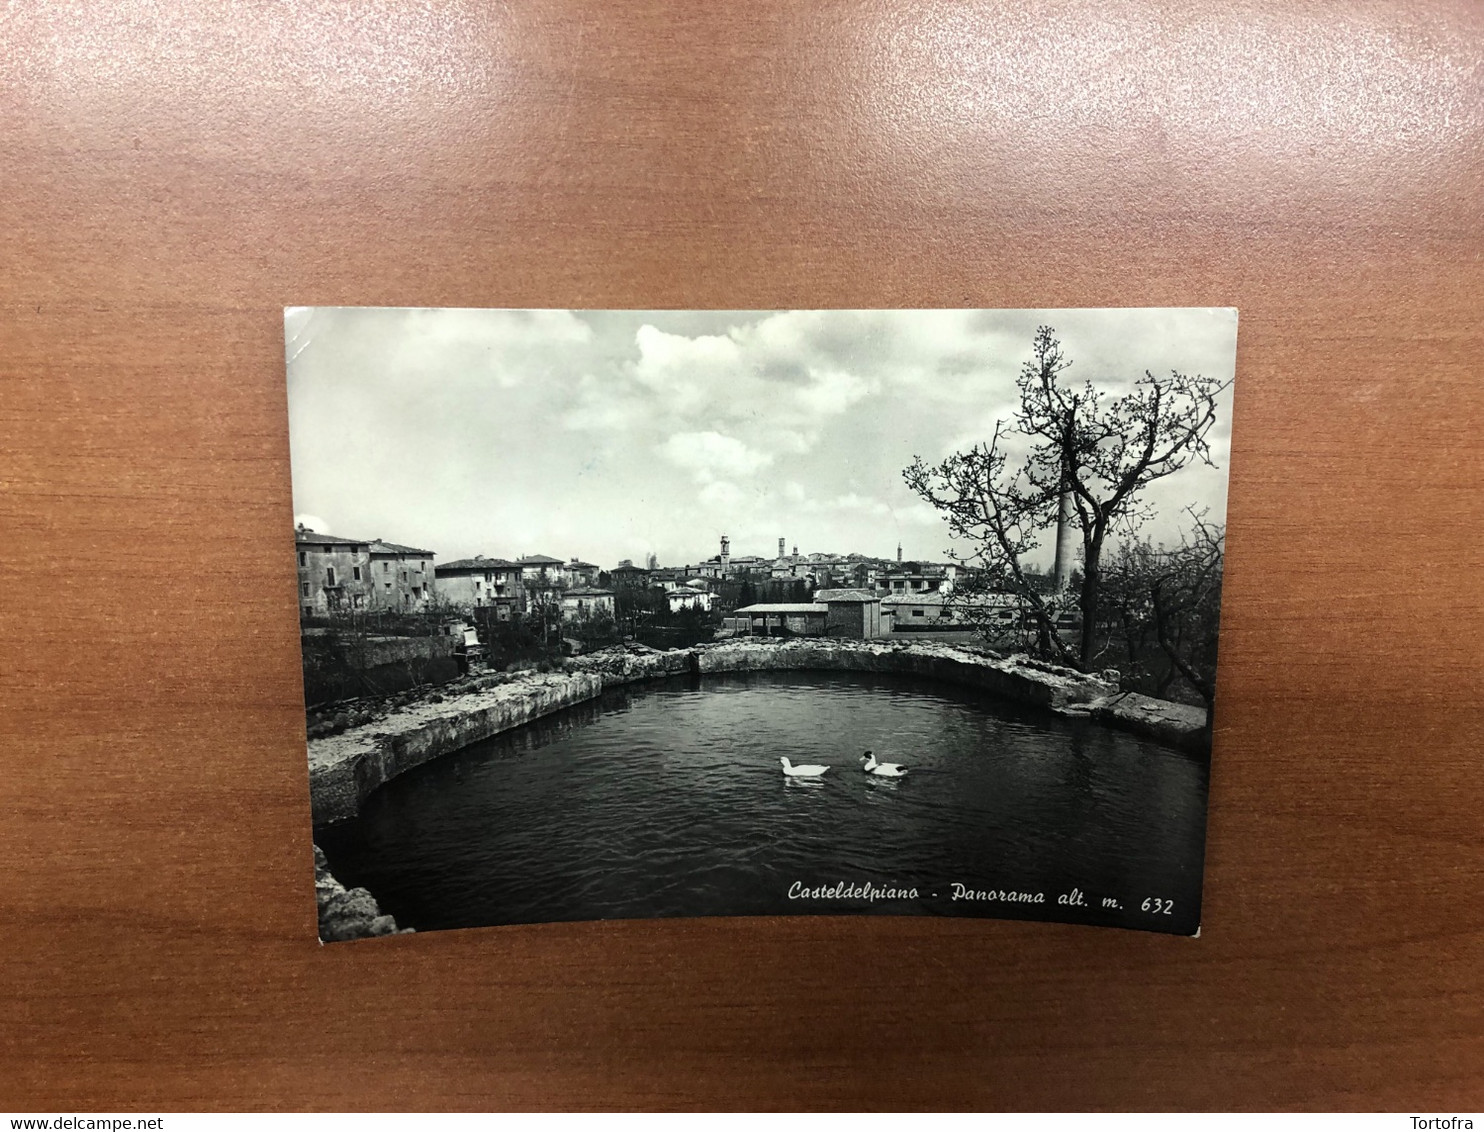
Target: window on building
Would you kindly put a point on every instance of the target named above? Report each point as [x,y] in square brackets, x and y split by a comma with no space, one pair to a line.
[419,567]
[358,601]
[355,572]
[304,586]
[388,585]
[919,613]
[309,611]
[386,567]
[330,575]
[401,575]
[303,558]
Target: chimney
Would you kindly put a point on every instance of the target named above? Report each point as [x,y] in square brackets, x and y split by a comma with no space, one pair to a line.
[1061,566]
[899,552]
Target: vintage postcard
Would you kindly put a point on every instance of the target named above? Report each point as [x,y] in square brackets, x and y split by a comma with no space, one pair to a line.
[626,614]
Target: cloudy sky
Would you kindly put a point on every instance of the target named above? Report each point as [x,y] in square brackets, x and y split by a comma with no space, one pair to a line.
[613,434]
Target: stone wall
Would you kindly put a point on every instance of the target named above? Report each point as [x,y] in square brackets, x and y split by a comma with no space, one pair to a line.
[398,650]
[1175,725]
[342,666]
[1015,678]
[346,913]
[345,768]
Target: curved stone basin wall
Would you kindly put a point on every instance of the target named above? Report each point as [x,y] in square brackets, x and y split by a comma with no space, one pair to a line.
[345,768]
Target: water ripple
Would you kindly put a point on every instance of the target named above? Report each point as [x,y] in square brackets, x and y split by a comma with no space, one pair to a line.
[669,800]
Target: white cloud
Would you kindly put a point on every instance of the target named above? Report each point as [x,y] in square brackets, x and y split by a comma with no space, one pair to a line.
[603,407]
[506,348]
[710,455]
[686,372]
[832,391]
[859,504]
[796,442]
[609,434]
[920,515]
[722,496]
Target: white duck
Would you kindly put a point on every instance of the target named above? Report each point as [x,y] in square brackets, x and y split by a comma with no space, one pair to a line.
[801,771]
[882,770]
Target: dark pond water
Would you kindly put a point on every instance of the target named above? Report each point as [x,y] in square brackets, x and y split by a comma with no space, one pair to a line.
[669,800]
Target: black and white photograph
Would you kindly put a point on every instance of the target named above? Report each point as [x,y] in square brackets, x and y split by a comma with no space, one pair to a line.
[612,614]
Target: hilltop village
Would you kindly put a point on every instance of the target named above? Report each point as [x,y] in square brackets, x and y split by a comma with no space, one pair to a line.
[813,594]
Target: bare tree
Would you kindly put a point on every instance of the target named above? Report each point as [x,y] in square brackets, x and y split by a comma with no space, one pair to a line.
[1186,599]
[1096,450]
[999,516]
[1162,609]
[544,606]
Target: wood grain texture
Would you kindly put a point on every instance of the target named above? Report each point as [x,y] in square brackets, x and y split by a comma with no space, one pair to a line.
[173,175]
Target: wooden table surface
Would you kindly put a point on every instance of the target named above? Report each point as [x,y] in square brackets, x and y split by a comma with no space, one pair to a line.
[171,176]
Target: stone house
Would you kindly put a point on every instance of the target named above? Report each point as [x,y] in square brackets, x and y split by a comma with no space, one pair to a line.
[748,565]
[628,576]
[480,582]
[542,571]
[334,573]
[855,614]
[900,583]
[905,612]
[689,597]
[402,577]
[936,611]
[542,579]
[584,603]
[583,573]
